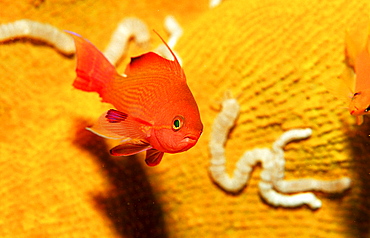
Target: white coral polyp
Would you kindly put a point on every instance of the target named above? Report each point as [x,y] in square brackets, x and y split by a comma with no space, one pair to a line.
[272,160]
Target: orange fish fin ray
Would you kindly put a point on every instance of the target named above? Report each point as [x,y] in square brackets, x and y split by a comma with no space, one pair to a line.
[165,43]
[130,147]
[119,125]
[100,131]
[93,70]
[175,64]
[153,157]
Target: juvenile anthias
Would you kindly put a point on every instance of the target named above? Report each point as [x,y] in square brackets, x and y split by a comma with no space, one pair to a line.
[155,110]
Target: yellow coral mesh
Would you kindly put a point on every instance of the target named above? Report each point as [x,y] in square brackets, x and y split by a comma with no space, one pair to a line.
[58,180]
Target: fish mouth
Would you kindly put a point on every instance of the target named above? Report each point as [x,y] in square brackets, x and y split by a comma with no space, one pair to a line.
[189,140]
[182,145]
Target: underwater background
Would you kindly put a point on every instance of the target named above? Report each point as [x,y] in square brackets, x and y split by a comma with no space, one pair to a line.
[58,180]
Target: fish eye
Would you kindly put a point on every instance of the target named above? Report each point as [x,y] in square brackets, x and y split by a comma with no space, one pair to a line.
[177,123]
[367,109]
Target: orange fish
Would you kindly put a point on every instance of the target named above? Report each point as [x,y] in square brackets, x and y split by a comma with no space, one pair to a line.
[355,90]
[155,109]
[357,48]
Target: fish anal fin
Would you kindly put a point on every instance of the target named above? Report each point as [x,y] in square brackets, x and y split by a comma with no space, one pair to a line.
[130,147]
[153,157]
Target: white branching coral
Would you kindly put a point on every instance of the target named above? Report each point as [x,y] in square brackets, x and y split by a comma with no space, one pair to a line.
[40,31]
[128,28]
[214,3]
[272,183]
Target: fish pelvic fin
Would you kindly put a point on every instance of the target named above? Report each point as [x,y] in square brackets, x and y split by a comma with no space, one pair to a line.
[93,69]
[153,157]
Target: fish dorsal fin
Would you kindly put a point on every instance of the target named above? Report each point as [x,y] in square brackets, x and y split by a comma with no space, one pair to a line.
[357,50]
[356,39]
[362,70]
[154,64]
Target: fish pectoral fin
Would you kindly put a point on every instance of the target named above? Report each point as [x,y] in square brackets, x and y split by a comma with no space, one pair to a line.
[153,157]
[115,124]
[130,147]
[341,87]
[100,131]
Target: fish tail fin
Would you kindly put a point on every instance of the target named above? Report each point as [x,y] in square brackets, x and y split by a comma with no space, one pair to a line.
[94,71]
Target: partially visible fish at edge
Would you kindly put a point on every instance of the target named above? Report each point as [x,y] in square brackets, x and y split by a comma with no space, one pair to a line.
[155,110]
[354,87]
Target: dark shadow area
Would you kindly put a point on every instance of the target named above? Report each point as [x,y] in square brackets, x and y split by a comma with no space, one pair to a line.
[358,218]
[131,204]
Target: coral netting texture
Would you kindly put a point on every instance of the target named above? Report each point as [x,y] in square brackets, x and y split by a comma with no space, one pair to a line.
[274,56]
